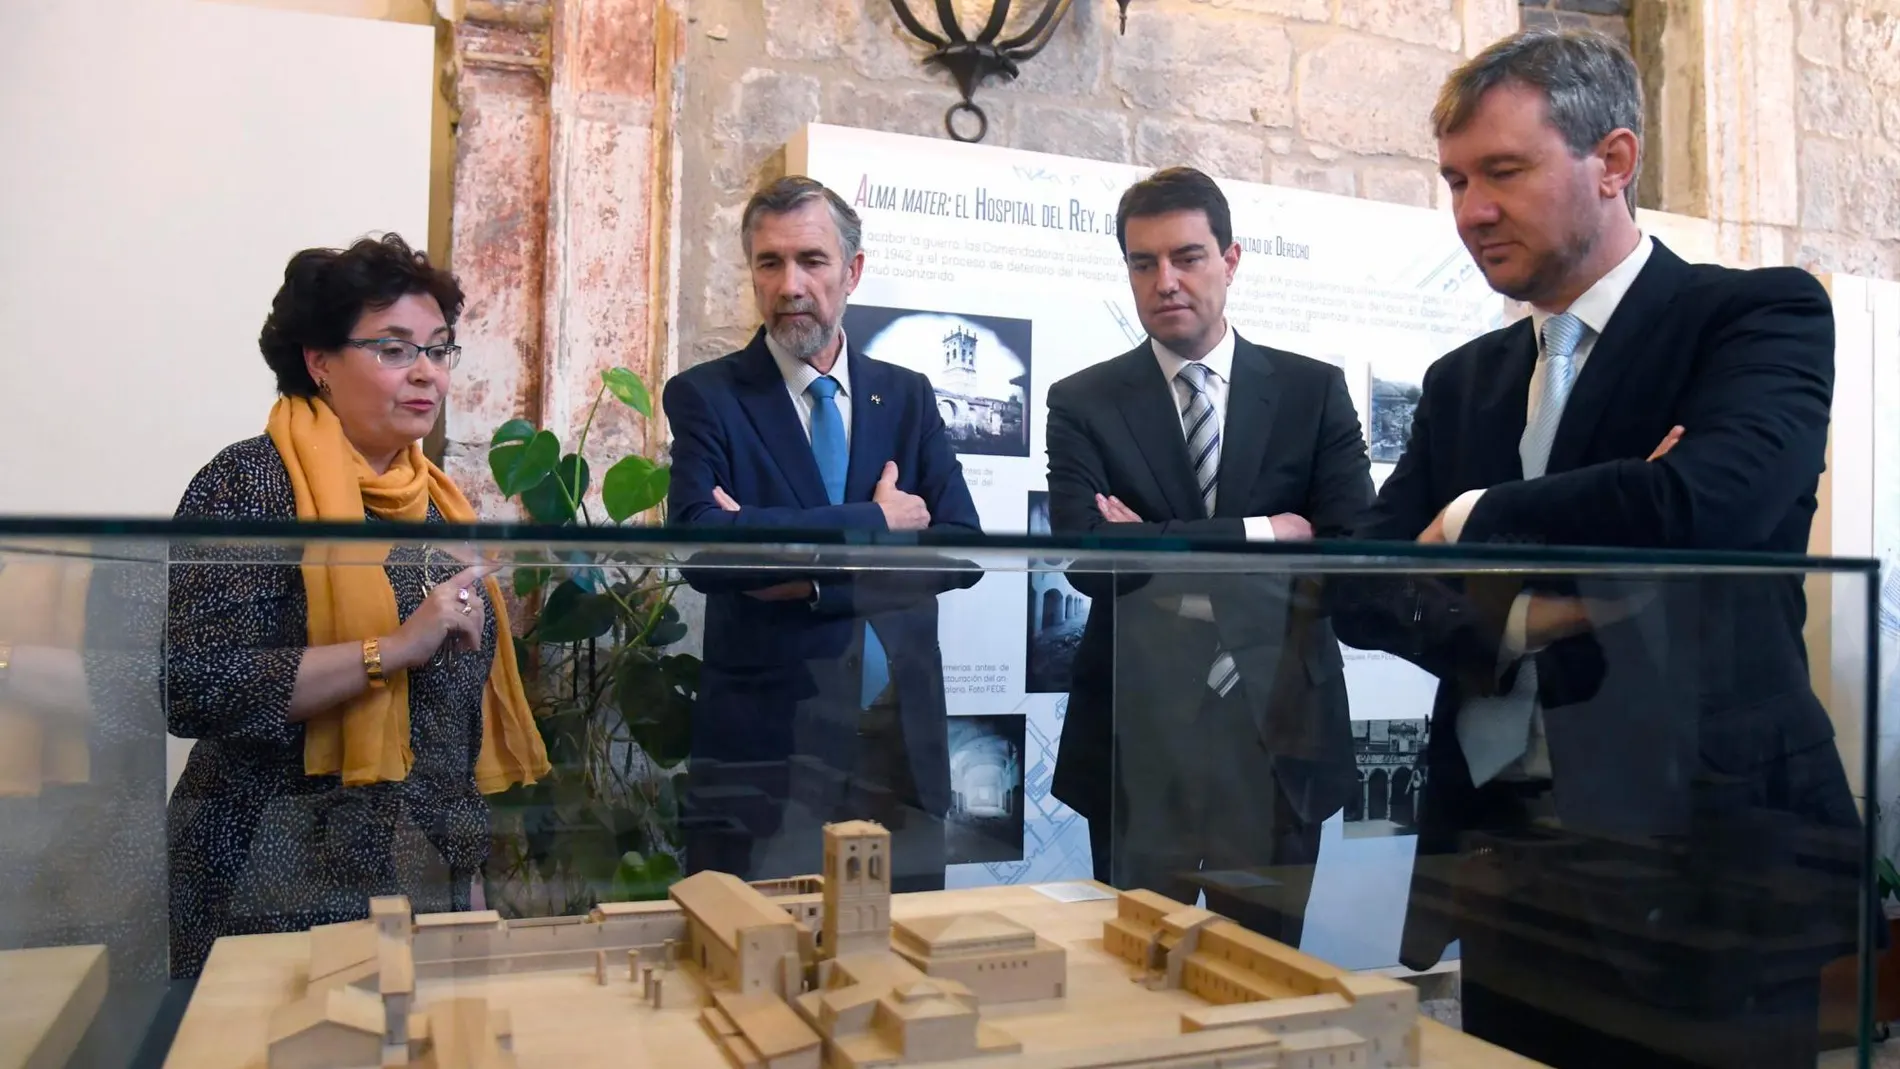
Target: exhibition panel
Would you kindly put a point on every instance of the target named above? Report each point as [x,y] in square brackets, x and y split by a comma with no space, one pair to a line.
[759,796]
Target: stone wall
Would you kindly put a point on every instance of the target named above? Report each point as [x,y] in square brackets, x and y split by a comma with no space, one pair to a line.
[1322,94]
[1777,119]
[1847,61]
[1608,16]
[1780,121]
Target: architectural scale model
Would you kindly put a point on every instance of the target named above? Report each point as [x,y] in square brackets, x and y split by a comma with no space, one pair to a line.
[812,973]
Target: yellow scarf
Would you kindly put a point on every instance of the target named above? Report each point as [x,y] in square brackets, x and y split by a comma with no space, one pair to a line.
[366,739]
[42,603]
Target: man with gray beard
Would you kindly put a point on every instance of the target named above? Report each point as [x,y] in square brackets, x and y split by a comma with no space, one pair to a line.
[821,694]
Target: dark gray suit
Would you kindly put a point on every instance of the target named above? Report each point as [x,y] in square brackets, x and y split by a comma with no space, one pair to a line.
[1176,777]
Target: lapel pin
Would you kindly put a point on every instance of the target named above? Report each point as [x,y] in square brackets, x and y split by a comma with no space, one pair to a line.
[876,399]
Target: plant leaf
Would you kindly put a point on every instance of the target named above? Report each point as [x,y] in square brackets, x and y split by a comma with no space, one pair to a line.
[515,430]
[682,674]
[529,580]
[657,713]
[627,386]
[520,468]
[668,629]
[633,486]
[547,502]
[573,615]
[505,450]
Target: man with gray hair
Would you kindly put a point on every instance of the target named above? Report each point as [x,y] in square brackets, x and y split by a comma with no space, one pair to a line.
[1625,777]
[833,675]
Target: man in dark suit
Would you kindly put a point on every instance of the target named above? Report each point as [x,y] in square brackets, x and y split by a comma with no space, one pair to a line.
[1635,819]
[1207,737]
[824,690]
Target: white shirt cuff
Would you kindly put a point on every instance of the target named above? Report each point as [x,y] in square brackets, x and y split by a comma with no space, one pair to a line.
[1259,528]
[1458,512]
[1516,626]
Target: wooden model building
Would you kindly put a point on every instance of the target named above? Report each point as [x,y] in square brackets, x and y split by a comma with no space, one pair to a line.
[739,939]
[873,1007]
[358,1014]
[813,973]
[1253,981]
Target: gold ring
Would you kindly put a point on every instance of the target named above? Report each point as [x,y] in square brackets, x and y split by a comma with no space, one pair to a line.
[467,609]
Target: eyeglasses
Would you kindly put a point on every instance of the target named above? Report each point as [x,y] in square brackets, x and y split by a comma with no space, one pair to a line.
[399,352]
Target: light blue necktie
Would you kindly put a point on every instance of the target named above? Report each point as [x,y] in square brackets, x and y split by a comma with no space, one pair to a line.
[834,459]
[1495,731]
[1203,441]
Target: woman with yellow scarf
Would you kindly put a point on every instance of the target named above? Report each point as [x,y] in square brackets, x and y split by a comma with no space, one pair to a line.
[352,700]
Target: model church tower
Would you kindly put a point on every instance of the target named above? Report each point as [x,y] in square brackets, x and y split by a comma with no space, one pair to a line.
[857,916]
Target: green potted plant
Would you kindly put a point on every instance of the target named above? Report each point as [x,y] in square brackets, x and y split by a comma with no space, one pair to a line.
[613,702]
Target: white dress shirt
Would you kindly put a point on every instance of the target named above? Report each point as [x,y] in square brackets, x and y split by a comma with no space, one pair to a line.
[1219,362]
[1594,308]
[799,376]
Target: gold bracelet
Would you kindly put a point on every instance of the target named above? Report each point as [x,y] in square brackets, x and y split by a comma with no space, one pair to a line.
[373,662]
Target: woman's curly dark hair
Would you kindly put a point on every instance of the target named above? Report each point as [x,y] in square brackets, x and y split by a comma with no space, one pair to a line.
[326,291]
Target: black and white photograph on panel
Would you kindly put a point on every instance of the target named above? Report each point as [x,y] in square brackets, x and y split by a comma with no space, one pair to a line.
[978,364]
[1391,759]
[1057,612]
[1392,401]
[985,822]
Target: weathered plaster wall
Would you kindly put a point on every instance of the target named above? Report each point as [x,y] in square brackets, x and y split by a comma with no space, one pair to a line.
[562,223]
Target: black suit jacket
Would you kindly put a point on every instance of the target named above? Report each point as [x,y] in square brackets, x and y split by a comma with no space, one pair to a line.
[1699,706]
[1292,443]
[768,663]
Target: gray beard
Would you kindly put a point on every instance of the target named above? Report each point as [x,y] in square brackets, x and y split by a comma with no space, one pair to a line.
[804,341]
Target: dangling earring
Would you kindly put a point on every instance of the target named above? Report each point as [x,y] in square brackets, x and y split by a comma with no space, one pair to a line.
[323,387]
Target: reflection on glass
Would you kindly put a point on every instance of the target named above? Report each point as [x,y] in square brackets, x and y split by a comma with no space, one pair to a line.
[82,832]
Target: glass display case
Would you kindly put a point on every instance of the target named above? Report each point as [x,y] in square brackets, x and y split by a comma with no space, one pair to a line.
[799,798]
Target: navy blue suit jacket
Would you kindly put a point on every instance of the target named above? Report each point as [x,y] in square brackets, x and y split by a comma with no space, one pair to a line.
[772,666]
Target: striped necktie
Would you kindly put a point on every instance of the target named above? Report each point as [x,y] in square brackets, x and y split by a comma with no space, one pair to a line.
[1202,429]
[1496,731]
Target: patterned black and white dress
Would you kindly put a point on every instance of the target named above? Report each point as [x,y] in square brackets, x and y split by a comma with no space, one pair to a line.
[256,845]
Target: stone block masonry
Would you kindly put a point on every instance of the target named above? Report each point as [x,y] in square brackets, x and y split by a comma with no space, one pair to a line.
[1322,94]
[1777,119]
[1611,17]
